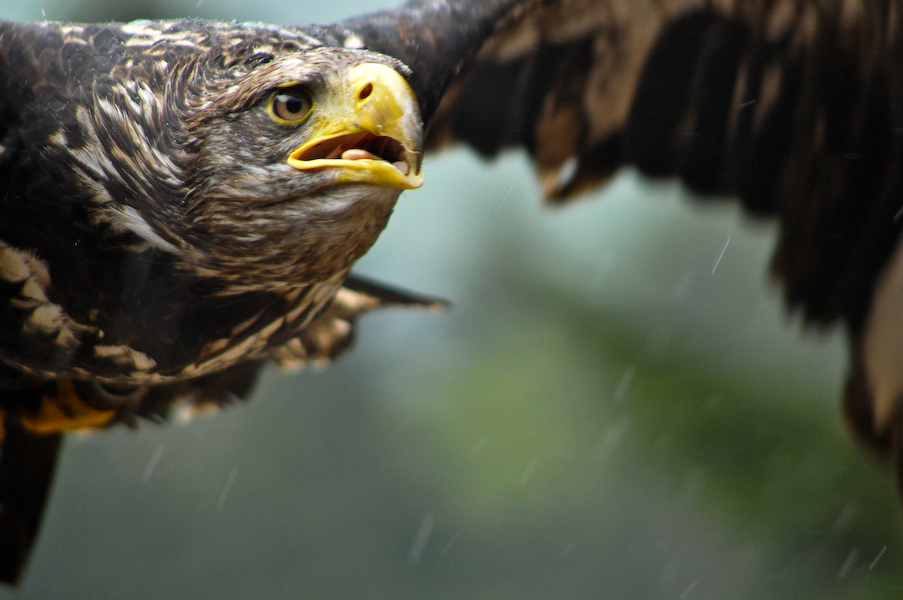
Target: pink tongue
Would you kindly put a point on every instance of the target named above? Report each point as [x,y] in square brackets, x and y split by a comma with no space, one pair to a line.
[358,154]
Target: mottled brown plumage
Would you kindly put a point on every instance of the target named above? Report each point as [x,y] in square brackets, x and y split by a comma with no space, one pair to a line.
[169,223]
[163,234]
[175,167]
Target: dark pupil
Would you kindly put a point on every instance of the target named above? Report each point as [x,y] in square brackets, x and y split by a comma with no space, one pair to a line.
[293,105]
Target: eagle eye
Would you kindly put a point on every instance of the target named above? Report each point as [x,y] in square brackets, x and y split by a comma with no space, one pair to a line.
[290,105]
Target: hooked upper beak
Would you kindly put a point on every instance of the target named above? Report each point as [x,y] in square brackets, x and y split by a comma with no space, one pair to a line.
[371,132]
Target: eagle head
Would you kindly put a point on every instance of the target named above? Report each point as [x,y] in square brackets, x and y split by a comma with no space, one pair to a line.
[266,169]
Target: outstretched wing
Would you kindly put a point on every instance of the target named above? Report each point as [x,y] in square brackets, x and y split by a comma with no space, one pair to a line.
[794,106]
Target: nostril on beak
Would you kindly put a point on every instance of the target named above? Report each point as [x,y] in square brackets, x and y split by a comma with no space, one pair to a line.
[365,92]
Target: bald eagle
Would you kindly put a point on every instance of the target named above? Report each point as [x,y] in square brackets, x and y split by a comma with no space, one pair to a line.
[184,200]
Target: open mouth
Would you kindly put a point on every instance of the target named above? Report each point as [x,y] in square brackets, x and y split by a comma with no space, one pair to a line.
[357,146]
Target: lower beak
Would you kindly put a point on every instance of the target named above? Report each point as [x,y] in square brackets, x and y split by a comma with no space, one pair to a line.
[375,135]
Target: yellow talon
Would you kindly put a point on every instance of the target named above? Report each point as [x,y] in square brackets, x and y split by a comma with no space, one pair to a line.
[63,410]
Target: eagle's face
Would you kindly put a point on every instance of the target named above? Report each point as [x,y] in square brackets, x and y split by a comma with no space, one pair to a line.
[288,167]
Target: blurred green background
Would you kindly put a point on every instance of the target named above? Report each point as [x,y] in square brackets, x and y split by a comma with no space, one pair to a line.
[615,406]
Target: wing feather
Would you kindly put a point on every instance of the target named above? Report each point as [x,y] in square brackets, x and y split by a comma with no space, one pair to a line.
[794,106]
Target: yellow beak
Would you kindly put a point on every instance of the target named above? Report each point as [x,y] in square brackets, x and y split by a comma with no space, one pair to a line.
[371,131]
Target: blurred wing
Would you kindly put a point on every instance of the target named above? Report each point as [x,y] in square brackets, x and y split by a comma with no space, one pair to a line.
[26,470]
[794,106]
[333,331]
[788,105]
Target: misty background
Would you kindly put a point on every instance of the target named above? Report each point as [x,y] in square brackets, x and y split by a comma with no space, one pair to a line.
[614,406]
